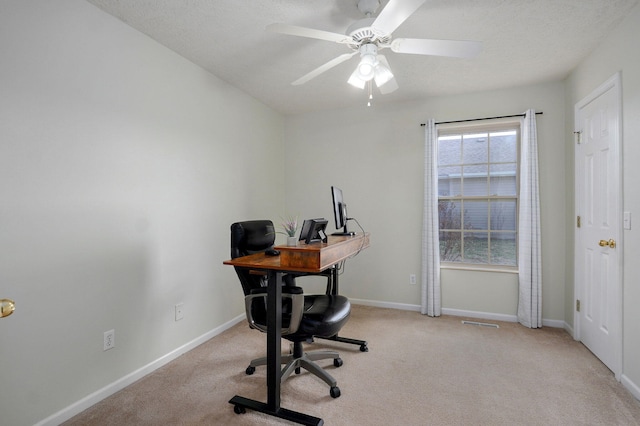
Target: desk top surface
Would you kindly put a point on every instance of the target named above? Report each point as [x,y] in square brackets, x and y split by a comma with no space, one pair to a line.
[336,249]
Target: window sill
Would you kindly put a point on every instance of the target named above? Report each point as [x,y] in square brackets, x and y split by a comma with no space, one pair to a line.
[481,268]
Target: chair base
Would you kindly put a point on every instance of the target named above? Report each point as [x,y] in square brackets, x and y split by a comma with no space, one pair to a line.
[363,343]
[300,359]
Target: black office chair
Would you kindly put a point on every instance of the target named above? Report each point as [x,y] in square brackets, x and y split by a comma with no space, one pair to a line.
[303,316]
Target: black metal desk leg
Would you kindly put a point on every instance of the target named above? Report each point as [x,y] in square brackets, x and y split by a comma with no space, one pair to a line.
[274,327]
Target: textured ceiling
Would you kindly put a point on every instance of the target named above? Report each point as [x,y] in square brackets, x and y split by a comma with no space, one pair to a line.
[524,42]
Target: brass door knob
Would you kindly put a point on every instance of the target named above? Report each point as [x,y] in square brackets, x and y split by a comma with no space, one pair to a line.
[611,243]
[7,307]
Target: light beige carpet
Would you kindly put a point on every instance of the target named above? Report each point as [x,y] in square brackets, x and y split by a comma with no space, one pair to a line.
[418,371]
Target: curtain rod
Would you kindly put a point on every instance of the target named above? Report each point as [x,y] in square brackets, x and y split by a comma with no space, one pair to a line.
[480,119]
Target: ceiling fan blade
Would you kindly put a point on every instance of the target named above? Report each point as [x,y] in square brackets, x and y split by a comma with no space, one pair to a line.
[309,32]
[322,68]
[394,14]
[454,48]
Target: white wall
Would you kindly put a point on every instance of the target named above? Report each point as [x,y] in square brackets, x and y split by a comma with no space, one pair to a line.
[618,52]
[122,166]
[375,155]
[118,181]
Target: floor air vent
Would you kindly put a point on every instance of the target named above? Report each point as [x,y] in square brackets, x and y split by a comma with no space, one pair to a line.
[481,324]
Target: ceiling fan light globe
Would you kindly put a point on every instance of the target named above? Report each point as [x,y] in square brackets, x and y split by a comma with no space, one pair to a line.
[366,72]
[366,67]
[382,75]
[356,81]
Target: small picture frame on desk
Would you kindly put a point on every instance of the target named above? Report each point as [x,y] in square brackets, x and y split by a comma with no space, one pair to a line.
[314,230]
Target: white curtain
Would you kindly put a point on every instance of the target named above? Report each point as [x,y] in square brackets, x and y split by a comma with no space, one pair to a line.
[431,303]
[529,252]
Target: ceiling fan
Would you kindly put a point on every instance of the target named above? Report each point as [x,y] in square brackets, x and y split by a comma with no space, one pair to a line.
[370,35]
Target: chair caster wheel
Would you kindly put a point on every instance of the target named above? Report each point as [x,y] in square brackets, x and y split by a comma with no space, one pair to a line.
[337,362]
[238,409]
[334,392]
[364,348]
[250,370]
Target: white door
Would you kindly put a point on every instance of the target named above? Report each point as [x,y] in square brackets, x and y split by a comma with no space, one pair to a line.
[598,250]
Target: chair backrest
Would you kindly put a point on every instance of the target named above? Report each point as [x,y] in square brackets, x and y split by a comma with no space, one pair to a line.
[247,238]
[255,236]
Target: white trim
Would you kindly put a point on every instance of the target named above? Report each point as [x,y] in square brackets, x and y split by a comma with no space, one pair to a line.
[481,315]
[554,324]
[499,317]
[92,399]
[631,387]
[459,313]
[478,267]
[390,305]
[569,329]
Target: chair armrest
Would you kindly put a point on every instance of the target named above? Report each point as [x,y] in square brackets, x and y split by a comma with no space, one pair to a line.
[295,294]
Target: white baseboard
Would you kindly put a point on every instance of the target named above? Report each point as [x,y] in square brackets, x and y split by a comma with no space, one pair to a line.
[459,313]
[481,315]
[555,324]
[569,329]
[391,305]
[631,387]
[92,399]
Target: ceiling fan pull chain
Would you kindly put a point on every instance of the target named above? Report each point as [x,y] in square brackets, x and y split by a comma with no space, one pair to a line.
[370,93]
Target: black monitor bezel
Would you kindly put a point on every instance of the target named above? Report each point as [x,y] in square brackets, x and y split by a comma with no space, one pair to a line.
[338,208]
[315,230]
[306,226]
[340,212]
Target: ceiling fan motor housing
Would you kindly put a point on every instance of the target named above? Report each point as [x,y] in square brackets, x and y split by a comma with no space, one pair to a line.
[362,32]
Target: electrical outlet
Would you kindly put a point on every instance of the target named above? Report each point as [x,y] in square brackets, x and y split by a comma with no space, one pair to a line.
[109,340]
[412,279]
[179,311]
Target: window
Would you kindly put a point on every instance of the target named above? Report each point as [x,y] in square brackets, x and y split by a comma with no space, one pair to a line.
[478,194]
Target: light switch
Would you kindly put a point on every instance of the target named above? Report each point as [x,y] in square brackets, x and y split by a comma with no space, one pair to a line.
[627,220]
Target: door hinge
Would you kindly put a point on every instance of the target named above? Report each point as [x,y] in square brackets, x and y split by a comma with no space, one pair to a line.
[578,305]
[578,221]
[578,137]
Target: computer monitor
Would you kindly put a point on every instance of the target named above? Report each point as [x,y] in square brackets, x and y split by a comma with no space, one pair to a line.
[306,228]
[314,230]
[340,212]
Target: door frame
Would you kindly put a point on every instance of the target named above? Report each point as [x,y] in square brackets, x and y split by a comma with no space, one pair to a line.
[613,83]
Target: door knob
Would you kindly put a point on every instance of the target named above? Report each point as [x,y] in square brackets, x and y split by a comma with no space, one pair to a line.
[611,243]
[7,307]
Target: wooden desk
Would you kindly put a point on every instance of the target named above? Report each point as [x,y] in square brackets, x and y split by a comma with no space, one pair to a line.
[305,258]
[310,258]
